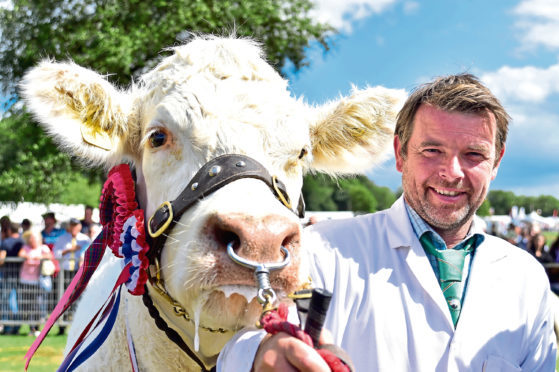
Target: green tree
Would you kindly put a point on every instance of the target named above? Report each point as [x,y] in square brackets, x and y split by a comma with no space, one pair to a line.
[501,201]
[484,208]
[123,39]
[360,198]
[358,194]
[318,191]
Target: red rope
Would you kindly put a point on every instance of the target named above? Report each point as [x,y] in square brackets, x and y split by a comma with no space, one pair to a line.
[276,321]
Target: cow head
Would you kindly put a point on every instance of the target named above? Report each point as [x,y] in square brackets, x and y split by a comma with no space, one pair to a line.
[214,96]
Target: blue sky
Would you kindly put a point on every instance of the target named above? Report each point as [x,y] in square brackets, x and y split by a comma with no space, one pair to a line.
[513,46]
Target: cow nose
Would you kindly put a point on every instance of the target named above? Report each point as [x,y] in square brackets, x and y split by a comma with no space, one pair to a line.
[255,238]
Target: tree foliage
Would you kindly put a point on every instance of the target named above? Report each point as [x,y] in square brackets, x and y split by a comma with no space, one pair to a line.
[121,39]
[358,194]
[361,195]
[503,201]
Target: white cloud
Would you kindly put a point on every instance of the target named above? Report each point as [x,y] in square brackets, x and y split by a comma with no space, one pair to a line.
[411,7]
[539,23]
[524,84]
[342,14]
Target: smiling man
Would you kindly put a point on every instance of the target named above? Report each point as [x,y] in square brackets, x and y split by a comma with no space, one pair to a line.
[420,287]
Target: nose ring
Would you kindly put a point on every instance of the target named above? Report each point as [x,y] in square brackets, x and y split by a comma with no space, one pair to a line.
[266,294]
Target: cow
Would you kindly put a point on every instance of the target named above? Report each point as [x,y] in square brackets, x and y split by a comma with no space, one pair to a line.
[210,98]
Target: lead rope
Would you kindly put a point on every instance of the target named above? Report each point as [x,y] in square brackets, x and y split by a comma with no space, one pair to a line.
[275,321]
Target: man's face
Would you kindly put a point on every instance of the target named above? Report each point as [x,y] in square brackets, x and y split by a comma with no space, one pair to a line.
[49,222]
[75,229]
[449,164]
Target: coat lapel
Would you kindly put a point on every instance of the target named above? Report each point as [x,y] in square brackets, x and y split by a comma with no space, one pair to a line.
[413,258]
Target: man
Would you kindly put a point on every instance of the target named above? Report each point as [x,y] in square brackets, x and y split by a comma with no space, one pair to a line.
[50,233]
[88,225]
[69,246]
[400,304]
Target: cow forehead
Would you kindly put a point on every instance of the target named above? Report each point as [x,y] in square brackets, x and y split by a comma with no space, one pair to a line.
[213,60]
[221,90]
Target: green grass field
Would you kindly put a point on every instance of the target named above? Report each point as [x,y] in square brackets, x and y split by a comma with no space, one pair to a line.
[46,359]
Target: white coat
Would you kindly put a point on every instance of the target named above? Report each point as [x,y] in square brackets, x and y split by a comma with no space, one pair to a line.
[389,312]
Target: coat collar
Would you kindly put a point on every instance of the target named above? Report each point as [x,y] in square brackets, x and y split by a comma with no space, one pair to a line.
[409,248]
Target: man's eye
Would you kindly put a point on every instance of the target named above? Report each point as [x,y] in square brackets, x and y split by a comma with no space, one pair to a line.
[476,155]
[157,139]
[432,151]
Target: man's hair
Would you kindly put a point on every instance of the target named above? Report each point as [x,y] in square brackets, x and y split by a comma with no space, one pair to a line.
[462,93]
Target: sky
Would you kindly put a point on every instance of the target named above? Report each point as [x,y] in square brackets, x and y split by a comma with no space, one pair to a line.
[511,45]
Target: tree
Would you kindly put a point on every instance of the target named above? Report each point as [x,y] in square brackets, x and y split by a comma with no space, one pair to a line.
[123,39]
[484,209]
[318,191]
[501,201]
[358,194]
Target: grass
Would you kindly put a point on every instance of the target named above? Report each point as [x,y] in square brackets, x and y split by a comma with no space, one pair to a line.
[47,358]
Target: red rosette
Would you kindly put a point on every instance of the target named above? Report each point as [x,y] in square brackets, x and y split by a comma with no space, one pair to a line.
[118,202]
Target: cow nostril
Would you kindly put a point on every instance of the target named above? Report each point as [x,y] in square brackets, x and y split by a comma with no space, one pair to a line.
[290,239]
[224,237]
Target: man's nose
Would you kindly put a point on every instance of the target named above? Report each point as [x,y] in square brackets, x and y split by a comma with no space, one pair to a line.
[451,169]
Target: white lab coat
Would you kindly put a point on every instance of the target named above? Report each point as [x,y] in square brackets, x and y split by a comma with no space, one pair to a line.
[389,312]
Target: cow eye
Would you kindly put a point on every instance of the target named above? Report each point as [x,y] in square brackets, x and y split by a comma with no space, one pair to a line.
[303,152]
[157,138]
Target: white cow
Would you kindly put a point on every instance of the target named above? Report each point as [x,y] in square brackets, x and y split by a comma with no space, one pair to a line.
[212,96]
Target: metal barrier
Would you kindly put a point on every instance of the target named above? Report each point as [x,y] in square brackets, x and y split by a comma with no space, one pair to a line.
[23,303]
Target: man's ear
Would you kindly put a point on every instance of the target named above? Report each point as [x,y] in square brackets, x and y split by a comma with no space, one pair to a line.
[398,153]
[81,110]
[353,134]
[497,163]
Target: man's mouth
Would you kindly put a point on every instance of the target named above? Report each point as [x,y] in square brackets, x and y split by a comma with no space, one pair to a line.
[447,192]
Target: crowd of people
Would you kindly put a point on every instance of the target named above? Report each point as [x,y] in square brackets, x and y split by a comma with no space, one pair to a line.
[530,238]
[26,286]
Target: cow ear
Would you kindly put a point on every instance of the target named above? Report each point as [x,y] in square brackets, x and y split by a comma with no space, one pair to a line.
[354,133]
[84,113]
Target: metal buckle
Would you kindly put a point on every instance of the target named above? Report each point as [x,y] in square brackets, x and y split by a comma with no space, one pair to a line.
[165,225]
[280,195]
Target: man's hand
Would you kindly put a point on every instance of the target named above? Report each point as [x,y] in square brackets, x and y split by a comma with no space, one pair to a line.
[282,352]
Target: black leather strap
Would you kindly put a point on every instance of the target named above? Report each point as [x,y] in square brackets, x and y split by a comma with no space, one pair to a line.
[212,176]
[171,333]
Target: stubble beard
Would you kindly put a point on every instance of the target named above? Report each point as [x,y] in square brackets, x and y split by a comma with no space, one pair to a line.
[440,218]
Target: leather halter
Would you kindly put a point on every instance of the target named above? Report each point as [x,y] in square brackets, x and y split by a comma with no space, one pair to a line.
[211,177]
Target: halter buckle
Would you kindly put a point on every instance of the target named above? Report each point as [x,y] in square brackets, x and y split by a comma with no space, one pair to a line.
[163,209]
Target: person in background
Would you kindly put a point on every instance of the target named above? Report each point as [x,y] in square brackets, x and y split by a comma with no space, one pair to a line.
[25,225]
[68,250]
[554,249]
[33,251]
[5,222]
[9,276]
[539,249]
[87,223]
[50,233]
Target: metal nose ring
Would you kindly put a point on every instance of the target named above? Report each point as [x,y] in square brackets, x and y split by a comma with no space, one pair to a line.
[266,295]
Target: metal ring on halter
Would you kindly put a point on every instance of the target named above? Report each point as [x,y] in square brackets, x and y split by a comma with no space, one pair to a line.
[266,294]
[255,265]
